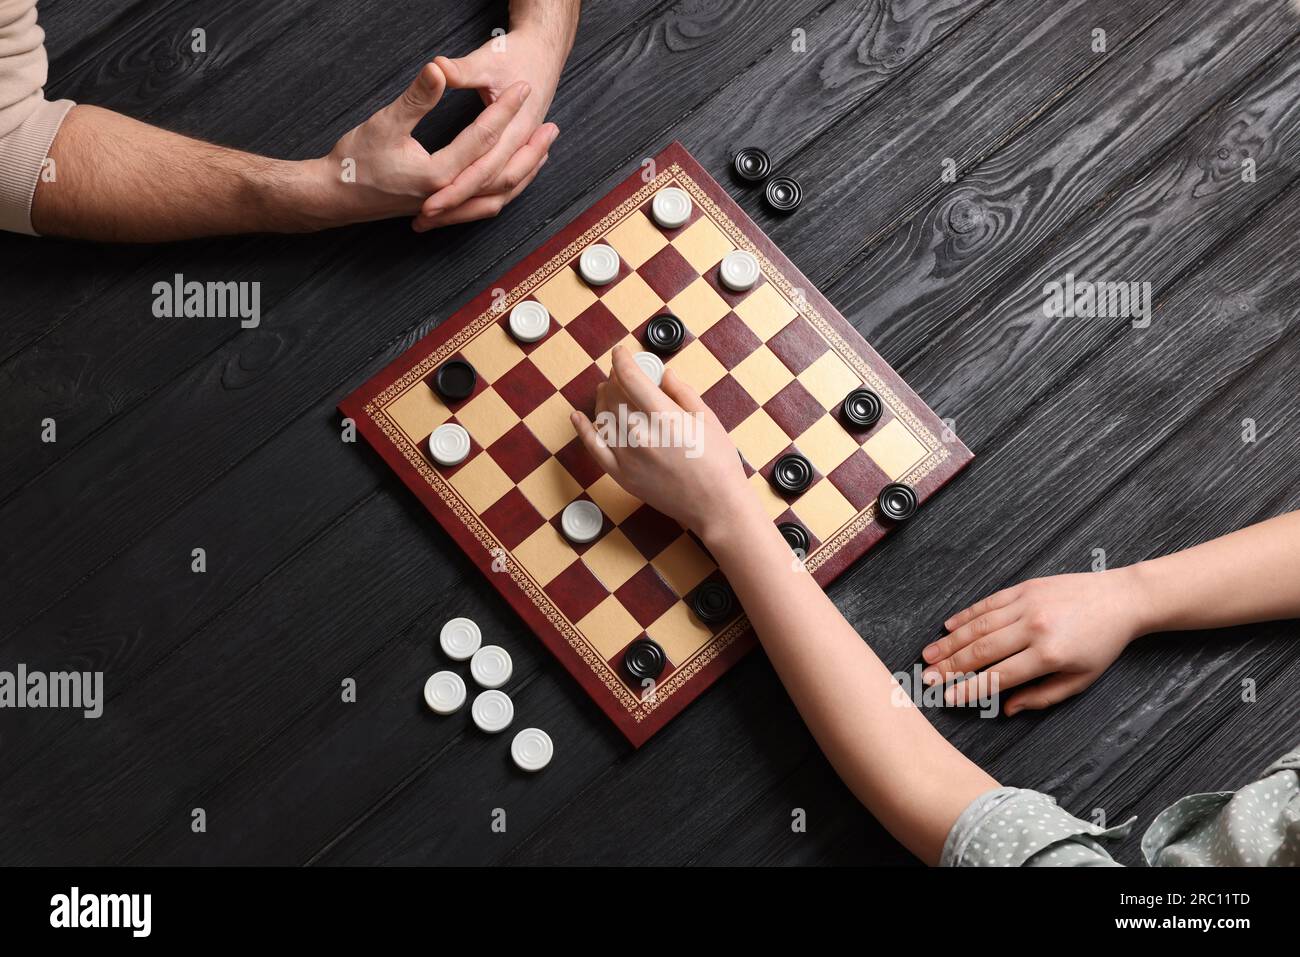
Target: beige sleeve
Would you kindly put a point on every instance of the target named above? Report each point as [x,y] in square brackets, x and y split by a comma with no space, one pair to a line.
[28,122]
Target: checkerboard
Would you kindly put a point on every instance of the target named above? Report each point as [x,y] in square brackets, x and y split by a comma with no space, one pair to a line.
[774,363]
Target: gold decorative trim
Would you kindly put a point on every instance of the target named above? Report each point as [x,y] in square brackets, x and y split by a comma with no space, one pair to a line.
[377,410]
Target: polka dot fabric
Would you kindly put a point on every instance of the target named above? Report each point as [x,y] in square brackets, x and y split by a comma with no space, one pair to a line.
[1257,826]
[1013,827]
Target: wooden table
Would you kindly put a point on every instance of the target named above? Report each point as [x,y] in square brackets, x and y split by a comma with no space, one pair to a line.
[224,688]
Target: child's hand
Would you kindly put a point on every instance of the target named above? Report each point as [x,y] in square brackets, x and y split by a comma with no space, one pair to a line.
[1066,629]
[702,486]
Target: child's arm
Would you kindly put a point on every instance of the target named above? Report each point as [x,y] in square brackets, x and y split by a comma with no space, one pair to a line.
[1070,628]
[889,755]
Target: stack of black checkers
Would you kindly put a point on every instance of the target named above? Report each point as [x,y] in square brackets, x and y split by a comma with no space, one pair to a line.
[752,165]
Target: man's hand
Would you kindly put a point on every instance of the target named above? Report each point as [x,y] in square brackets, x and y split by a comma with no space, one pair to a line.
[1066,629]
[126,181]
[378,170]
[533,52]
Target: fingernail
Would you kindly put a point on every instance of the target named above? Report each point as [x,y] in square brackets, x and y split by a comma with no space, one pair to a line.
[930,677]
[929,652]
[524,91]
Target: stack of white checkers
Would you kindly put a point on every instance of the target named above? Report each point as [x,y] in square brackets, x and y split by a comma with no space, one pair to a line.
[490,666]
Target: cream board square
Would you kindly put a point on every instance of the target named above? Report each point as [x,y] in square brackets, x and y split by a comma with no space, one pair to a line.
[560,358]
[550,424]
[549,488]
[826,444]
[829,380]
[418,412]
[613,559]
[679,633]
[765,311]
[609,627]
[480,482]
[762,374]
[636,239]
[683,565]
[698,306]
[697,366]
[894,449]
[487,417]
[493,353]
[824,510]
[565,295]
[702,245]
[613,500]
[632,301]
[544,554]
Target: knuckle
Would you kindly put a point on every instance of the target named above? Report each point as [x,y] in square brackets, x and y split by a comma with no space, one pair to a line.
[1038,621]
[487,136]
[1052,656]
[981,649]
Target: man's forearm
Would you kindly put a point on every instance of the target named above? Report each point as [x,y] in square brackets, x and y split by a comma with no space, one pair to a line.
[1249,575]
[121,180]
[556,19]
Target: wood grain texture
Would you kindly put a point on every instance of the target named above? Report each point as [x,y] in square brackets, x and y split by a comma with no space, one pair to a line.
[224,688]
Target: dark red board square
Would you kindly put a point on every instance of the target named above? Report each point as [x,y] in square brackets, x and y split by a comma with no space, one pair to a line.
[798,345]
[650,530]
[581,390]
[730,340]
[645,596]
[526,347]
[794,409]
[578,462]
[729,402]
[576,591]
[524,387]
[667,273]
[596,329]
[518,453]
[858,479]
[512,518]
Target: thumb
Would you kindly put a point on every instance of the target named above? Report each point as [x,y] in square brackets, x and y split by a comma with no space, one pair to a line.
[1044,694]
[468,72]
[417,99]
